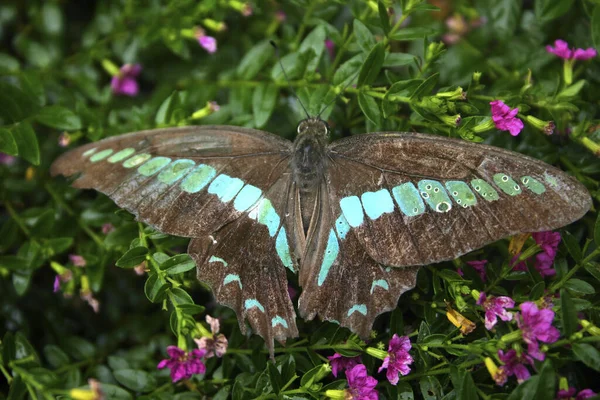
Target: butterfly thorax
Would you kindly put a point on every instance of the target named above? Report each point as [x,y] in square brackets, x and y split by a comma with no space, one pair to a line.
[309,162]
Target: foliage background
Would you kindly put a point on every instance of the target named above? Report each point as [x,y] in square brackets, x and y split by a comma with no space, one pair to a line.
[55,62]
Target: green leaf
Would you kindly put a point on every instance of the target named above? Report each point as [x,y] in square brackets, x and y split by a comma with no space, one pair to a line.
[274,378]
[384,18]
[52,21]
[79,348]
[597,228]
[179,296]
[539,387]
[314,46]
[155,288]
[7,143]
[571,242]
[55,356]
[164,115]
[191,309]
[347,71]
[264,100]
[579,287]
[595,25]
[426,87]
[547,10]
[114,392]
[134,379]
[369,107]
[568,313]
[254,60]
[587,354]
[403,89]
[132,257]
[293,64]
[364,37]
[178,264]
[503,17]
[16,104]
[8,64]
[594,269]
[349,349]
[398,59]
[27,142]
[58,117]
[418,32]
[571,91]
[372,65]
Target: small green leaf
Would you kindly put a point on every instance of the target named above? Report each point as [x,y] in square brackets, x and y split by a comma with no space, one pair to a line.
[178,264]
[426,87]
[155,288]
[571,242]
[27,142]
[347,70]
[314,47]
[55,356]
[16,104]
[264,100]
[52,20]
[587,354]
[114,392]
[372,65]
[369,107]
[8,64]
[274,378]
[58,117]
[254,60]
[364,37]
[548,10]
[384,17]
[349,349]
[595,25]
[415,33]
[7,143]
[571,91]
[191,309]
[579,287]
[132,257]
[179,296]
[597,228]
[137,380]
[164,115]
[79,348]
[293,64]
[568,313]
[398,59]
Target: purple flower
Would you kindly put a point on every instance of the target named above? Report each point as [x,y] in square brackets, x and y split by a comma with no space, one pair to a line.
[183,365]
[330,46]
[570,394]
[56,283]
[362,386]
[209,43]
[215,345]
[585,394]
[6,159]
[107,228]
[495,307]
[505,118]
[536,325]
[64,277]
[561,49]
[64,139]
[124,83]
[77,260]
[515,365]
[398,359]
[340,363]
[280,16]
[549,242]
[479,266]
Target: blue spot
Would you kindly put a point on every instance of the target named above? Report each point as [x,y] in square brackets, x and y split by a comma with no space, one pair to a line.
[232,278]
[331,253]
[278,320]
[342,227]
[247,197]
[409,200]
[361,308]
[283,249]
[175,171]
[198,178]
[153,165]
[377,203]
[251,303]
[381,283]
[265,214]
[352,210]
[225,187]
[217,259]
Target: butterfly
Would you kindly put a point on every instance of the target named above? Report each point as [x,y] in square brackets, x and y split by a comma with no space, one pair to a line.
[355,218]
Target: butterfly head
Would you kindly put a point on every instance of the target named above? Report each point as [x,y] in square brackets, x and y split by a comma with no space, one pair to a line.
[313,127]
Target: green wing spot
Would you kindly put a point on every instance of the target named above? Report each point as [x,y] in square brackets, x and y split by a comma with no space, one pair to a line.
[101,156]
[89,152]
[507,184]
[121,155]
[136,160]
[461,193]
[153,165]
[484,189]
[550,180]
[435,195]
[175,171]
[533,184]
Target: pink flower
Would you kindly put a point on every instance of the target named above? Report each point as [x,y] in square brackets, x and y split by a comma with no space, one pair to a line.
[570,394]
[209,43]
[505,118]
[88,297]
[515,365]
[280,16]
[398,359]
[495,307]
[361,385]
[107,228]
[549,242]
[125,83]
[64,139]
[6,159]
[478,266]
[65,277]
[330,46]
[561,49]
[536,325]
[56,283]
[340,363]
[77,260]
[215,345]
[183,365]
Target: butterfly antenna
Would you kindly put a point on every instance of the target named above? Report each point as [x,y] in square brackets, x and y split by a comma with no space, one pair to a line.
[338,95]
[286,77]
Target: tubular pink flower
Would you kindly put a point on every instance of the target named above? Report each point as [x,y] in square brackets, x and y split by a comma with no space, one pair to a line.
[125,82]
[560,49]
[208,43]
[505,118]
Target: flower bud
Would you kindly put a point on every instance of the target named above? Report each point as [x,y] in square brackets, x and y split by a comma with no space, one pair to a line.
[545,126]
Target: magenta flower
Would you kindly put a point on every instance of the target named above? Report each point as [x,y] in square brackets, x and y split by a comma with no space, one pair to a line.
[64,277]
[215,345]
[398,359]
[361,385]
[549,242]
[505,118]
[280,16]
[570,394]
[515,365]
[340,363]
[6,159]
[330,46]
[478,266]
[209,43]
[56,283]
[536,325]
[77,260]
[495,307]
[125,83]
[64,139]
[183,365]
[107,228]
[561,49]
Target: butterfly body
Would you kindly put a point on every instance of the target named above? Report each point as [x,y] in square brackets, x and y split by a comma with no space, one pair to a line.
[354,218]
